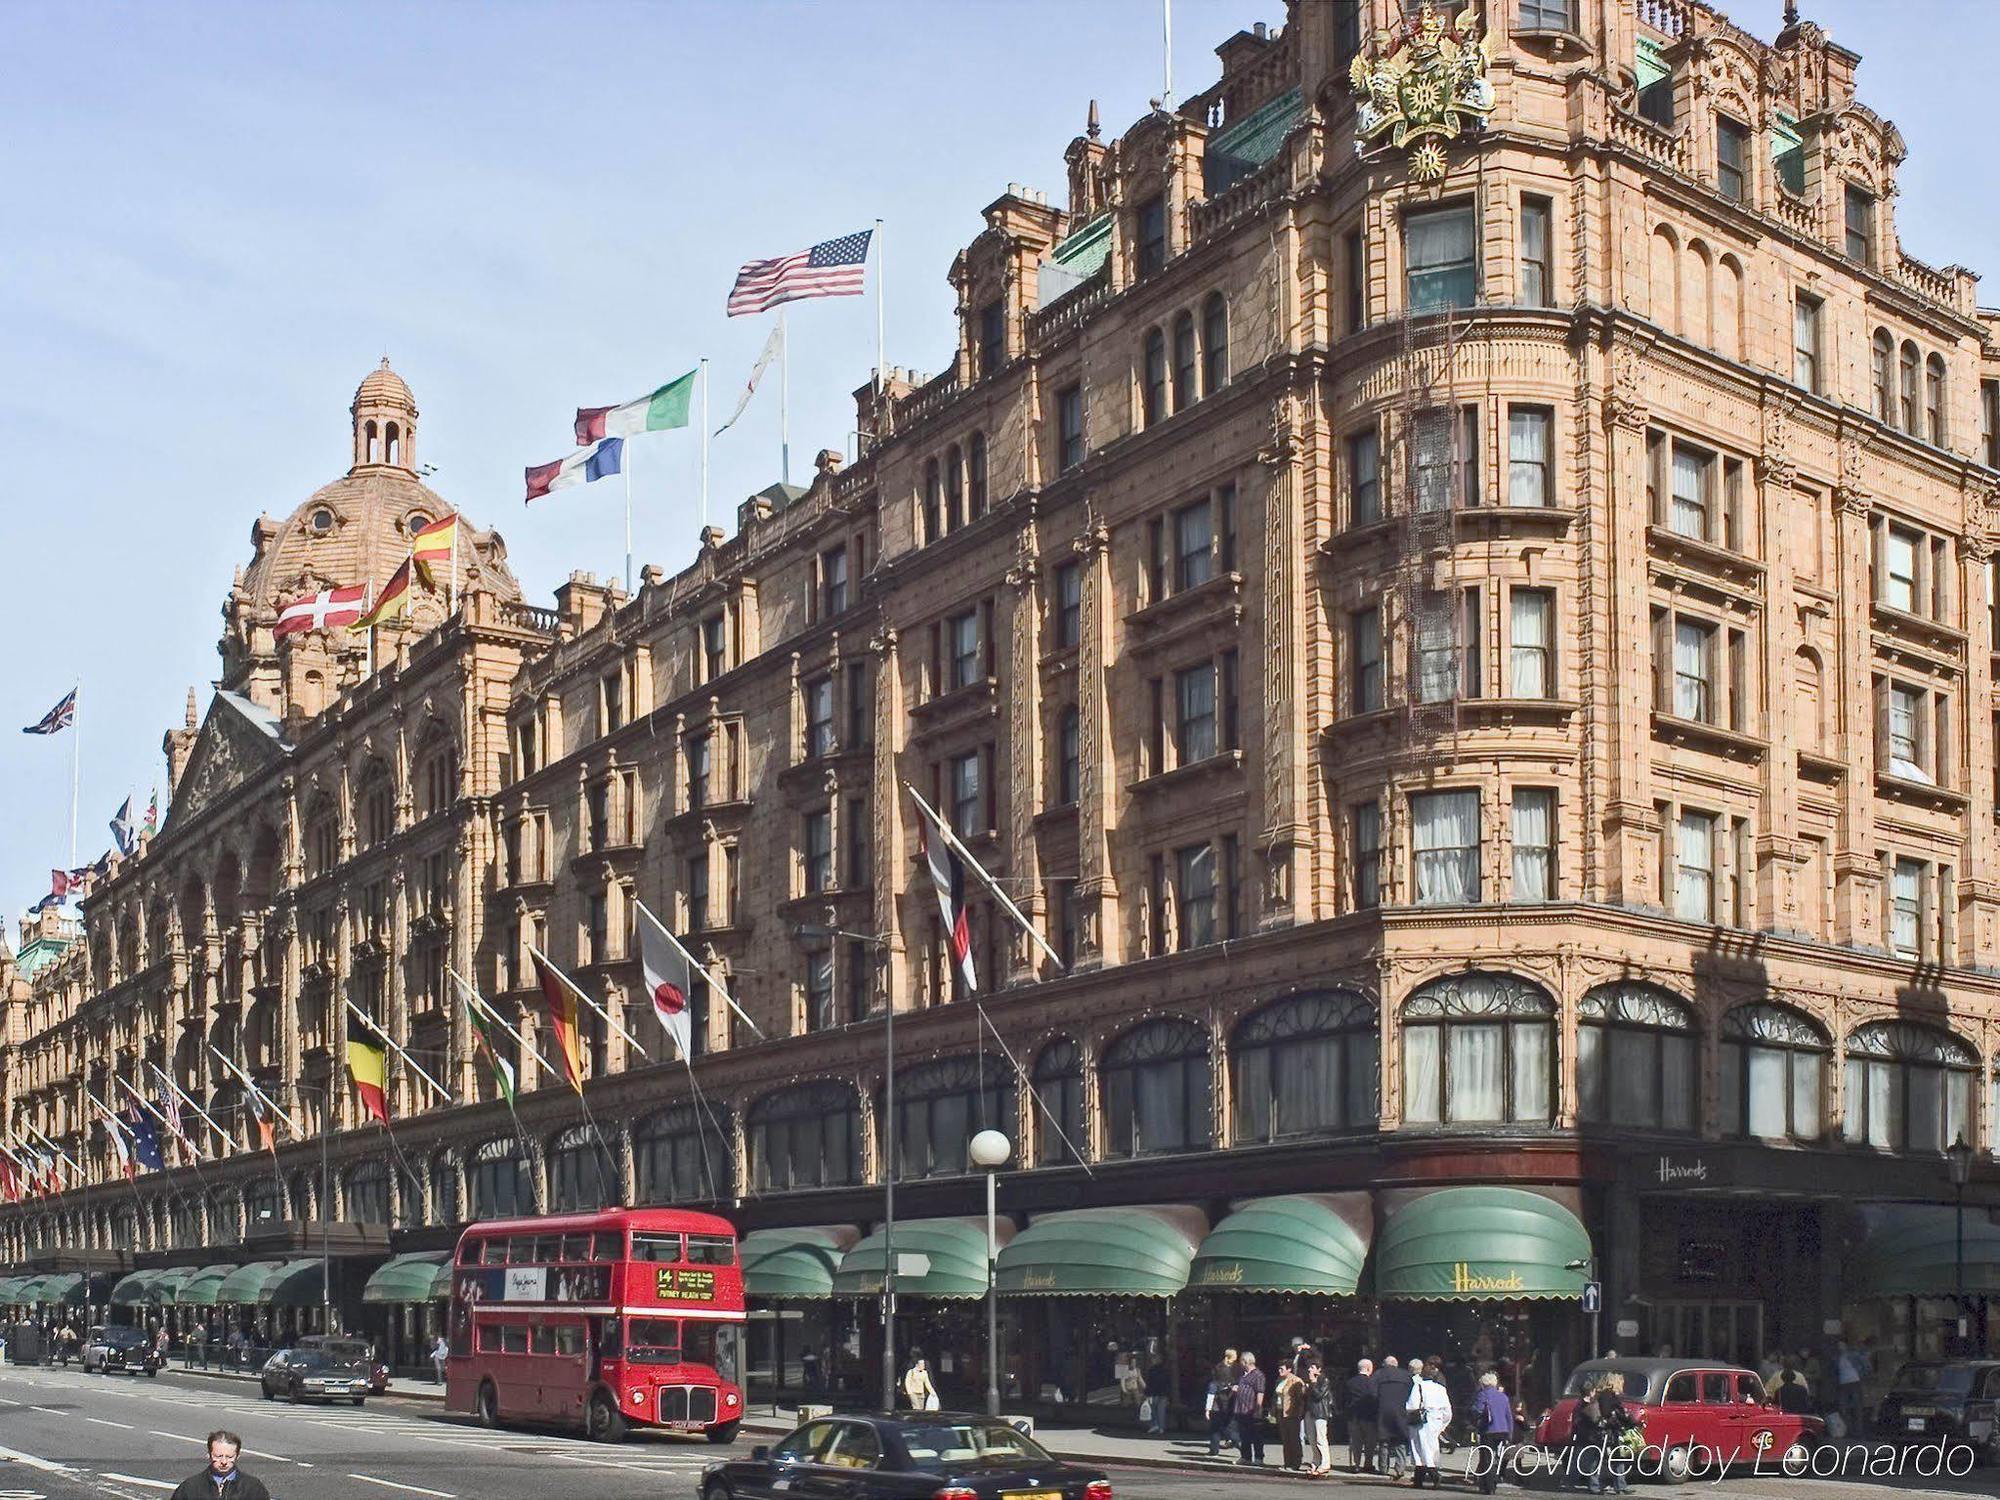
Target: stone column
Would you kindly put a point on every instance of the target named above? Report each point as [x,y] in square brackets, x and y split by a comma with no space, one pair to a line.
[890,860]
[1289,891]
[1099,935]
[1857,900]
[1978,888]
[1027,739]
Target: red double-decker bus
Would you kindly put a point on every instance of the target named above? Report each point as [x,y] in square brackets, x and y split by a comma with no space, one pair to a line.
[629,1317]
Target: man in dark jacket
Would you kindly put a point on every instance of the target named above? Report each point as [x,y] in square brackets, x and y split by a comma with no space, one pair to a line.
[1222,1402]
[222,1480]
[1361,1407]
[1392,1397]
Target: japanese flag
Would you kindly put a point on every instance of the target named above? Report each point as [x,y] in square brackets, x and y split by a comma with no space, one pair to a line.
[668,979]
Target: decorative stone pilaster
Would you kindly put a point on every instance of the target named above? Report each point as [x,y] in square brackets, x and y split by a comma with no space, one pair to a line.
[1099,938]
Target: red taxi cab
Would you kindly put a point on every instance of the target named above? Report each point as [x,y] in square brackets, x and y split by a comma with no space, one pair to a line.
[1698,1417]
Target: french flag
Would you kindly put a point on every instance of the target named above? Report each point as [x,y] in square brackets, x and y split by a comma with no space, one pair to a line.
[599,461]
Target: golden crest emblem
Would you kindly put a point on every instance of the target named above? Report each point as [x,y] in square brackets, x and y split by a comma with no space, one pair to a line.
[1425,85]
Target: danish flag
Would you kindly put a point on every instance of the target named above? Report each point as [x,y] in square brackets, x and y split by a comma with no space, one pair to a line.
[322,611]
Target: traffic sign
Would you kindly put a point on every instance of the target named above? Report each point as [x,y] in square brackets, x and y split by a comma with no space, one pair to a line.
[1593,1296]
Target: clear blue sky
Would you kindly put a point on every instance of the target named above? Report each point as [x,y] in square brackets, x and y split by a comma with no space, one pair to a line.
[220,215]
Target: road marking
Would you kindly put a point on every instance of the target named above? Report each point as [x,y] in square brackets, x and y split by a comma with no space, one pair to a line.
[390,1484]
[43,1464]
[179,1437]
[106,1422]
[151,1484]
[49,1411]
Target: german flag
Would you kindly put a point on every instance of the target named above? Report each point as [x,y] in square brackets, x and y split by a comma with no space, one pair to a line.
[365,1065]
[393,603]
[433,544]
[560,998]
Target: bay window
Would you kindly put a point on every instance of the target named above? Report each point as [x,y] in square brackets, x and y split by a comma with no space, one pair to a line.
[1534,841]
[1441,259]
[1532,643]
[1529,472]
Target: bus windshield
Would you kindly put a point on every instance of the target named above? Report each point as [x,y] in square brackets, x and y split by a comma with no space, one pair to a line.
[670,1341]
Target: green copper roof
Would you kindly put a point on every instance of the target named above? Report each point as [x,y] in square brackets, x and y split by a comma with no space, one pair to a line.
[1298,1243]
[1480,1243]
[1240,148]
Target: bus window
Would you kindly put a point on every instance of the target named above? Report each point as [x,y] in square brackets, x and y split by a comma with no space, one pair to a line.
[609,1344]
[489,1339]
[543,1340]
[728,1360]
[609,1246]
[520,1250]
[468,1253]
[710,1250]
[513,1338]
[576,1247]
[655,1341]
[698,1342]
[650,1246]
[569,1340]
[461,1334]
[493,1252]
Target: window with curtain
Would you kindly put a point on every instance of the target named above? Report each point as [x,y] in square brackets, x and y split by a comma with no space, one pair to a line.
[941,1105]
[1529,429]
[367,1198]
[1155,1086]
[1906,909]
[1934,407]
[1805,341]
[1194,713]
[1304,1065]
[678,1156]
[501,1182]
[1478,1048]
[1214,344]
[1437,653]
[1534,840]
[1906,388]
[1440,259]
[1531,642]
[1692,469]
[1364,476]
[1899,568]
[580,1179]
[1153,377]
[1185,361]
[1882,355]
[1909,1087]
[1432,455]
[1637,1059]
[1444,847]
[1535,278]
[1694,670]
[805,1136]
[1058,1083]
[1694,866]
[1905,735]
[1772,1074]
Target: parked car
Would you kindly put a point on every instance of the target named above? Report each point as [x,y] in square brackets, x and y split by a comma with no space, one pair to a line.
[314,1375]
[113,1347]
[861,1457]
[360,1351]
[1695,1413]
[1951,1400]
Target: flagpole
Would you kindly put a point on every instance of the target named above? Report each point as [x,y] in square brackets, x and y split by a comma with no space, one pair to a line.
[570,985]
[704,443]
[375,1026]
[478,1001]
[881,330]
[251,1084]
[625,469]
[227,1138]
[75,766]
[992,886]
[784,399]
[696,964]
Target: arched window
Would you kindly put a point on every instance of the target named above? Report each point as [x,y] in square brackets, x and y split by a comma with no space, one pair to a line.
[1934,428]
[1156,1090]
[368,1193]
[374,443]
[1477,1048]
[394,449]
[1773,1074]
[580,1172]
[674,1161]
[304,1195]
[501,1184]
[933,502]
[975,475]
[263,1204]
[1906,388]
[1636,1058]
[1909,1087]
[1882,355]
[1153,378]
[444,1189]
[1186,367]
[260,1034]
[1058,1083]
[225,1222]
[1214,344]
[941,1105]
[375,805]
[1808,714]
[954,489]
[1304,1066]
[807,1136]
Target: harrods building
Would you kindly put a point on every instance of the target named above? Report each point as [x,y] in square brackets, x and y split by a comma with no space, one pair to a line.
[1482,666]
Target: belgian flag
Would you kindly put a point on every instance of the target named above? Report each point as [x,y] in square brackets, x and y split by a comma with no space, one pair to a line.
[366,1066]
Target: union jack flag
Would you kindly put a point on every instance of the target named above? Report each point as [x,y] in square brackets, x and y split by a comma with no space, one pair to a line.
[60,717]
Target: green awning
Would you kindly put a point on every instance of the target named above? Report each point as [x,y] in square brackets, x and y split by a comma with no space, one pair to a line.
[1143,1251]
[135,1289]
[63,1286]
[199,1289]
[957,1252]
[411,1278]
[801,1262]
[9,1285]
[167,1289]
[29,1292]
[297,1283]
[1913,1252]
[1298,1243]
[241,1285]
[1480,1242]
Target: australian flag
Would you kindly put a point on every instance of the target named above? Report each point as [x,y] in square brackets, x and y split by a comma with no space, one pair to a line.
[60,717]
[145,1142]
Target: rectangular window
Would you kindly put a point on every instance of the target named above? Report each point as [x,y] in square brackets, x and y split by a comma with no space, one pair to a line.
[1444,847]
[1534,844]
[1069,757]
[1906,909]
[819,717]
[1989,422]
[1546,15]
[1364,477]
[1805,341]
[832,581]
[817,846]
[860,711]
[1367,818]
[820,1012]
[962,660]
[1732,151]
[1694,671]
[1194,545]
[1535,279]
[611,701]
[1194,713]
[1436,653]
[992,337]
[1529,470]
[1860,224]
[714,647]
[1069,428]
[1694,867]
[1900,550]
[697,892]
[1693,482]
[1152,236]
[1532,645]
[1908,745]
[1364,630]
[968,801]
[1433,453]
[699,767]
[854,826]
[1440,258]
[1194,894]
[1069,605]
[1354,258]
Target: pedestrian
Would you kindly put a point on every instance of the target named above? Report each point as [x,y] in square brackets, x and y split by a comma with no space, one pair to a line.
[917,1387]
[809,1367]
[440,1352]
[1392,1401]
[1613,1422]
[1158,1387]
[1319,1414]
[222,1479]
[1493,1420]
[1222,1402]
[1249,1411]
[1288,1407]
[1792,1396]
[1362,1406]
[1587,1452]
[1850,1369]
[1429,1407]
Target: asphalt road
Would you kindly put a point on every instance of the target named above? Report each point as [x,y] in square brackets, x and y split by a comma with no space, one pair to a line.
[68,1436]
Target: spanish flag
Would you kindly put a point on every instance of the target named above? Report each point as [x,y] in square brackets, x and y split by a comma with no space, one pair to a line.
[434,544]
[560,996]
[392,604]
[365,1065]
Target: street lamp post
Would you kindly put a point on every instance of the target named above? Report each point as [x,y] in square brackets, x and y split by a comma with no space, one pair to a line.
[325,1203]
[990,1149]
[1958,1160]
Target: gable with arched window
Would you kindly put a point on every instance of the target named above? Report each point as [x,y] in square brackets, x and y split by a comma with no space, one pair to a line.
[941,1105]
[805,1136]
[1909,1087]
[1773,1074]
[1057,1078]
[1478,1048]
[1637,1058]
[1303,1066]
[678,1156]
[1156,1090]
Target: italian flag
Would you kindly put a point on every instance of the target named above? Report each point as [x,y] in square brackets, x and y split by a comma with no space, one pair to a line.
[665,408]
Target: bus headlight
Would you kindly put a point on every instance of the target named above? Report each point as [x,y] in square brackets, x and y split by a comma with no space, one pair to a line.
[635,1397]
[729,1399]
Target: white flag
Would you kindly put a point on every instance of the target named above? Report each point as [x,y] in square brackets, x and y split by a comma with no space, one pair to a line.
[667,979]
[773,346]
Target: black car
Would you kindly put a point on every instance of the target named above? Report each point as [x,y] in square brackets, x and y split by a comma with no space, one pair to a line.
[114,1347]
[314,1375]
[914,1457]
[357,1351]
[1950,1400]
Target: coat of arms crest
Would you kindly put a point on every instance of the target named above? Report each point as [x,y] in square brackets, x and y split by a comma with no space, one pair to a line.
[1425,84]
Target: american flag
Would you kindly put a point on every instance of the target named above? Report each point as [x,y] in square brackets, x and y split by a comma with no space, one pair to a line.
[60,717]
[832,268]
